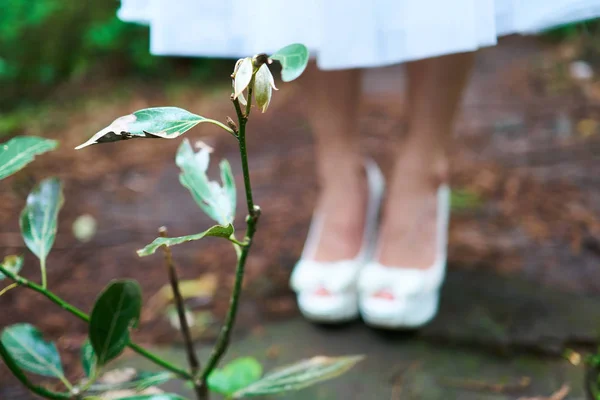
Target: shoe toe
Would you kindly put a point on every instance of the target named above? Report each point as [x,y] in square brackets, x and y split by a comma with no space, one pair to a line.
[401,312]
[338,307]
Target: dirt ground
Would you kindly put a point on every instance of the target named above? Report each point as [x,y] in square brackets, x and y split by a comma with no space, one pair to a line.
[526,158]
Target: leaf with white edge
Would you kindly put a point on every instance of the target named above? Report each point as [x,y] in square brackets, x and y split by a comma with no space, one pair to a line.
[236,375]
[88,359]
[39,217]
[20,151]
[263,87]
[215,200]
[299,375]
[162,396]
[157,122]
[242,76]
[117,309]
[293,59]
[228,184]
[13,264]
[144,380]
[217,230]
[31,352]
[130,379]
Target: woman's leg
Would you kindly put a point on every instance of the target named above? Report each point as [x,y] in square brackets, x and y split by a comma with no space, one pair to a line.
[332,106]
[435,88]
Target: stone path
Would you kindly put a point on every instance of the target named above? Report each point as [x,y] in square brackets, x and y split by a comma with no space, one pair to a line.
[495,338]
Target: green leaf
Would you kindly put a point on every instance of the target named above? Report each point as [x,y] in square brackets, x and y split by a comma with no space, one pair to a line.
[217,230]
[31,352]
[157,122]
[144,380]
[462,199]
[39,217]
[88,359]
[217,201]
[20,151]
[13,264]
[299,375]
[293,59]
[163,396]
[235,376]
[117,309]
[138,381]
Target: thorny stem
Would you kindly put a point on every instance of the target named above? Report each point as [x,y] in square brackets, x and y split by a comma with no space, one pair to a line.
[252,219]
[86,318]
[201,390]
[20,375]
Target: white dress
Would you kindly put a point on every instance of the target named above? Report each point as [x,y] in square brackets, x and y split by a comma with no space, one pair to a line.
[345,33]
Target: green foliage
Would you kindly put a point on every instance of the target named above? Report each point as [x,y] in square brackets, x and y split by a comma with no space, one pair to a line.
[31,352]
[235,376]
[88,359]
[573,30]
[217,231]
[218,202]
[117,309]
[45,42]
[158,122]
[293,59]
[39,217]
[163,396]
[13,264]
[461,199]
[139,381]
[299,375]
[20,151]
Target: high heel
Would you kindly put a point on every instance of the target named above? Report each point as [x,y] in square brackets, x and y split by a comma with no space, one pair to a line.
[326,291]
[404,297]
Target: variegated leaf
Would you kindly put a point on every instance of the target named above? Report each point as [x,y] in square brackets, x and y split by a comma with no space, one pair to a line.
[217,230]
[20,151]
[40,215]
[31,352]
[157,122]
[299,375]
[217,201]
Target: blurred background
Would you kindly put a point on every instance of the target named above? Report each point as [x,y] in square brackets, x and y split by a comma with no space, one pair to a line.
[524,282]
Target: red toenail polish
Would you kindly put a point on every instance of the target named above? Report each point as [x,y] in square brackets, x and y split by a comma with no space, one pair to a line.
[384,295]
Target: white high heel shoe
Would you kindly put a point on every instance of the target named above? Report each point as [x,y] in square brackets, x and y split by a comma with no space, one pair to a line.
[396,298]
[327,291]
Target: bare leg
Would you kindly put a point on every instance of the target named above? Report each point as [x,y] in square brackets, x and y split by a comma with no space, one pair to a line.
[434,94]
[332,108]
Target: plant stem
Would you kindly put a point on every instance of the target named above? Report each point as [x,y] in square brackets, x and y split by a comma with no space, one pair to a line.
[252,219]
[20,375]
[43,270]
[222,125]
[201,390]
[9,287]
[86,318]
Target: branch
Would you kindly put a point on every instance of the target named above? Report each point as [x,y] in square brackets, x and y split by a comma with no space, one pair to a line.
[86,318]
[201,391]
[252,219]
